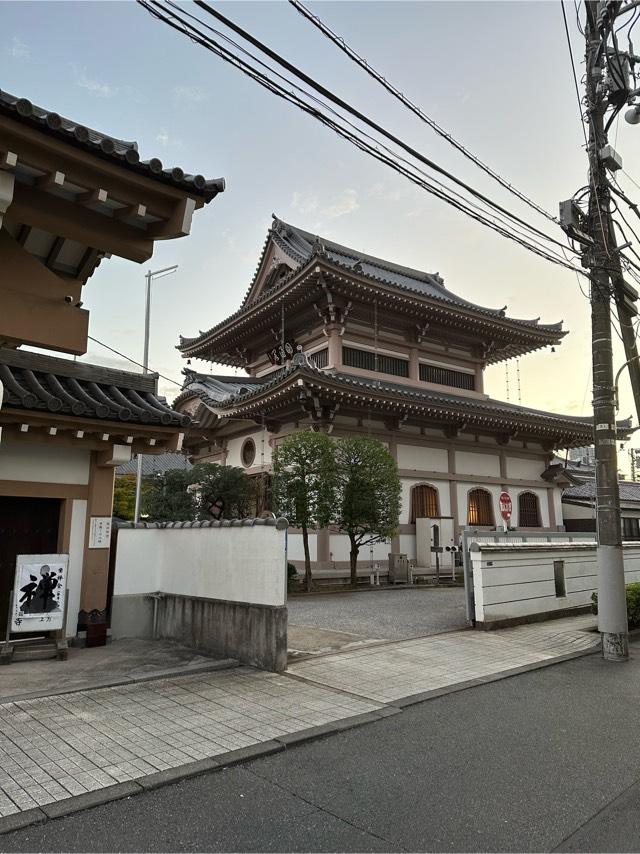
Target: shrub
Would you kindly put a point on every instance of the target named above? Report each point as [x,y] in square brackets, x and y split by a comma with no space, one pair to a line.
[632,592]
[291,571]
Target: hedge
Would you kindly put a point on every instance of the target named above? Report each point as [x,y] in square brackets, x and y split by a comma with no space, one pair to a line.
[632,592]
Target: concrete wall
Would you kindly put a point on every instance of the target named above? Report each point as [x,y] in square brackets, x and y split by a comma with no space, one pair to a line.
[219,587]
[514,582]
[44,463]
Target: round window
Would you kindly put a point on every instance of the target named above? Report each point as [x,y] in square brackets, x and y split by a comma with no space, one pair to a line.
[248,452]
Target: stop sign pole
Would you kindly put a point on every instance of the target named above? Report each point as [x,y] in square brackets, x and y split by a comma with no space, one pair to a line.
[505,509]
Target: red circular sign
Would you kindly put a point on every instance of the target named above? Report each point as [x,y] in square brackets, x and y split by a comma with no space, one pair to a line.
[505,506]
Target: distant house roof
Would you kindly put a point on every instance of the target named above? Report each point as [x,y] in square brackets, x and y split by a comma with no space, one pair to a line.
[103,145]
[155,464]
[36,382]
[629,491]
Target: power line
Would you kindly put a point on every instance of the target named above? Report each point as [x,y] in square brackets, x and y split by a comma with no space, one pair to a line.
[133,361]
[177,22]
[326,93]
[573,70]
[340,42]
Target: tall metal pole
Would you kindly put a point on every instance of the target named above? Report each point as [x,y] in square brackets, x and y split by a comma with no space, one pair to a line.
[612,612]
[145,368]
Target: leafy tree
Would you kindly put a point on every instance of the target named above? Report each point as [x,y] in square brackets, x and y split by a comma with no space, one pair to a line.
[124,496]
[169,498]
[222,491]
[304,484]
[203,492]
[368,494]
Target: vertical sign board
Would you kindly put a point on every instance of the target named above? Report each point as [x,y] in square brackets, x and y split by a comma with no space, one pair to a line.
[39,593]
[100,532]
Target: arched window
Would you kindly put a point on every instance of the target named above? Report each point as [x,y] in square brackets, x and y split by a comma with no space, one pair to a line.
[528,510]
[480,510]
[424,502]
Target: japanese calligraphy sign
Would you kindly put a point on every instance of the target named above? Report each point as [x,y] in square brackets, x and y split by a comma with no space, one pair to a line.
[39,593]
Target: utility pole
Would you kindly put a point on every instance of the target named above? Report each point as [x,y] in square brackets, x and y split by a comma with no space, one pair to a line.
[612,612]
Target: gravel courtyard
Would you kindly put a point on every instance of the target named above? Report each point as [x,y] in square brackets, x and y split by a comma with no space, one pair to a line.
[353,617]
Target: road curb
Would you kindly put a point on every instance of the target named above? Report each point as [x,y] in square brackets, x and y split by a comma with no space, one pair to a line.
[150,782]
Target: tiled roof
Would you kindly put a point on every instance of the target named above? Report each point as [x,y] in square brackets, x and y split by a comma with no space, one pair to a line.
[302,246]
[34,382]
[155,464]
[629,491]
[460,404]
[101,144]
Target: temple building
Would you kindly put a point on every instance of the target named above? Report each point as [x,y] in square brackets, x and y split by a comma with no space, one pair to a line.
[336,340]
[70,197]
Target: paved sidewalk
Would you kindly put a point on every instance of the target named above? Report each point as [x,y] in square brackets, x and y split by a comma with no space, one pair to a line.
[399,670]
[58,747]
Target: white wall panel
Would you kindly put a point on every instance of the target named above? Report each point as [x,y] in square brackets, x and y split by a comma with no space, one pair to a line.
[469,463]
[422,458]
[25,461]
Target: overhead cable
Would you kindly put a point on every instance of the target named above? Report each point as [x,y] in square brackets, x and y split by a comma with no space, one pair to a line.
[173,19]
[326,93]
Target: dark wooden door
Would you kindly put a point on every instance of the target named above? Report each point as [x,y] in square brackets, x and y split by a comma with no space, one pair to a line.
[27,526]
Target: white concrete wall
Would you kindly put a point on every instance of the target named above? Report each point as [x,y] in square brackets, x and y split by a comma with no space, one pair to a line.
[27,461]
[235,564]
[469,463]
[341,550]
[422,458]
[515,581]
[295,548]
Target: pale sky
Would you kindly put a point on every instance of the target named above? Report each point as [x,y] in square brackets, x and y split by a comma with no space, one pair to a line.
[495,74]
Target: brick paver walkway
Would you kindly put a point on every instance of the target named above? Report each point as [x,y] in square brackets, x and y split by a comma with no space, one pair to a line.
[393,671]
[60,746]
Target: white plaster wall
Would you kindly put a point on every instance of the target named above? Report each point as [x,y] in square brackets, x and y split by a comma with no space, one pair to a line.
[406,484]
[234,448]
[237,564]
[422,458]
[295,548]
[543,503]
[341,550]
[463,490]
[521,469]
[469,463]
[76,557]
[518,580]
[25,461]
[559,506]
[408,546]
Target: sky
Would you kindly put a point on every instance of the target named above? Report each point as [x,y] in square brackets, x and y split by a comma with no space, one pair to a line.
[497,75]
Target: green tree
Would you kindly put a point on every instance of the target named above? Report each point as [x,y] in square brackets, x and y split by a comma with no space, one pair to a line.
[222,491]
[304,484]
[203,492]
[124,495]
[169,498]
[368,494]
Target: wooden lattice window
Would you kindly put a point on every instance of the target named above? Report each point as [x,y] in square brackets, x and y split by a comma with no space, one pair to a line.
[480,511]
[424,502]
[368,360]
[447,376]
[320,359]
[528,510]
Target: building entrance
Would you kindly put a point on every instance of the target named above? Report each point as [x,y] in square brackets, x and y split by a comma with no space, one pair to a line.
[27,526]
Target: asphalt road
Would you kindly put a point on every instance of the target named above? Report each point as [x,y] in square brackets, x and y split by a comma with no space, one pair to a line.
[548,760]
[387,614]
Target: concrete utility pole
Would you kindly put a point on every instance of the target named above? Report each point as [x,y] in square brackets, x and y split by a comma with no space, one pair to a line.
[612,611]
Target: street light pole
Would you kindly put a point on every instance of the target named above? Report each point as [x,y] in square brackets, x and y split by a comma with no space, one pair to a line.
[149,276]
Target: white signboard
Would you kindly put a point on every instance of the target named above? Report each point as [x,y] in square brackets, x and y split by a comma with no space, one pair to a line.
[100,532]
[39,593]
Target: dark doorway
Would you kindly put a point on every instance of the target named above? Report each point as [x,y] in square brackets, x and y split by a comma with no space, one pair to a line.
[27,526]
